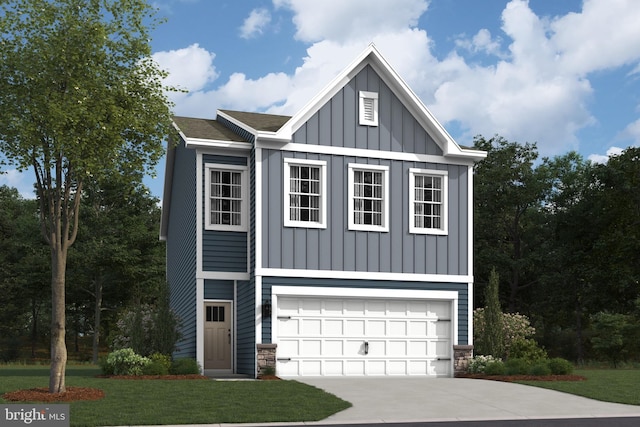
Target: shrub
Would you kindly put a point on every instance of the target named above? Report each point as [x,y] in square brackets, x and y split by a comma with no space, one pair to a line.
[527,349]
[540,369]
[125,362]
[516,367]
[185,367]
[478,364]
[515,327]
[160,364]
[494,368]
[560,366]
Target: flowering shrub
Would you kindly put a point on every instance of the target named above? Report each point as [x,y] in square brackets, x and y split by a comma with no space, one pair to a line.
[515,327]
[478,364]
[124,362]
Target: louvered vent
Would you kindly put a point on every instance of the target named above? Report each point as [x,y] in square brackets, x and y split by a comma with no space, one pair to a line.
[368,108]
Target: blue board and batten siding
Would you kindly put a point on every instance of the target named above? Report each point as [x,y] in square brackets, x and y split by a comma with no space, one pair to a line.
[223,250]
[461,288]
[337,248]
[336,123]
[181,248]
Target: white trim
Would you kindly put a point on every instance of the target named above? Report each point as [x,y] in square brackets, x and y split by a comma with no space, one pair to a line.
[222,275]
[288,162]
[363,275]
[200,322]
[470,234]
[199,211]
[444,214]
[363,152]
[244,204]
[368,293]
[234,361]
[234,146]
[258,253]
[384,227]
[363,97]
[258,311]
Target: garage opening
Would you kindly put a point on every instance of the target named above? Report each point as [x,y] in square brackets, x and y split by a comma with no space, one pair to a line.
[321,335]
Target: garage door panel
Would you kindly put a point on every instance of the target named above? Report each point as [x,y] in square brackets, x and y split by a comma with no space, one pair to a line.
[354,327]
[356,336]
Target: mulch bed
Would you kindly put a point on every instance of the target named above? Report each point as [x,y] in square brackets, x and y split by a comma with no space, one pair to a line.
[155,377]
[42,394]
[511,378]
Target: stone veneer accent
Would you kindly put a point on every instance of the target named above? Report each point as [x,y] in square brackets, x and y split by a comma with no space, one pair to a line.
[266,357]
[461,356]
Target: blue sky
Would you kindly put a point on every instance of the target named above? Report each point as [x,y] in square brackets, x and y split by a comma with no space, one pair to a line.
[564,74]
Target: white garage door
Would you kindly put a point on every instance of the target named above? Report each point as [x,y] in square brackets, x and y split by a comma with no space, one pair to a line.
[355,336]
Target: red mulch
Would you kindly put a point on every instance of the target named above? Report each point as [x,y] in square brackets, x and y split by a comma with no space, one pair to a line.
[42,394]
[268,377]
[74,394]
[511,378]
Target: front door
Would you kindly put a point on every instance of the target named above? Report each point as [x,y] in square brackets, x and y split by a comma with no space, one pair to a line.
[217,335]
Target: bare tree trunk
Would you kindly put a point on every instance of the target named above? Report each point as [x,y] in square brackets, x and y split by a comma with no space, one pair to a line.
[97,315]
[58,321]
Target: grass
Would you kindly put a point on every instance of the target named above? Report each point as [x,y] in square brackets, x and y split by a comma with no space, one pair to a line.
[609,385]
[140,402]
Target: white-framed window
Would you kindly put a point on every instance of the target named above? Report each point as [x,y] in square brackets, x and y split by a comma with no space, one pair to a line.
[305,193]
[368,108]
[368,195]
[226,193]
[428,201]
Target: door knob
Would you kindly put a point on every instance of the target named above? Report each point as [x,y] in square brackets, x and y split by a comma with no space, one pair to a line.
[366,347]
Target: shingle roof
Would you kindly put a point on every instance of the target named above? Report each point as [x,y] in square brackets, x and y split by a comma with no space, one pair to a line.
[205,129]
[259,121]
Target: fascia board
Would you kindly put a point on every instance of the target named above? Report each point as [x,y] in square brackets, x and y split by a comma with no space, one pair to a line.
[216,143]
[237,122]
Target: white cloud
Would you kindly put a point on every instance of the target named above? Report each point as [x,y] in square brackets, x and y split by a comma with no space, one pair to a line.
[599,158]
[189,68]
[22,181]
[532,86]
[344,21]
[255,23]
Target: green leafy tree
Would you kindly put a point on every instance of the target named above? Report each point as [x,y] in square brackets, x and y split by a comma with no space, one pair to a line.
[509,229]
[493,331]
[79,96]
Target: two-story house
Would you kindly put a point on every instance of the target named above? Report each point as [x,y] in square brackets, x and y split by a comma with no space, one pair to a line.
[340,237]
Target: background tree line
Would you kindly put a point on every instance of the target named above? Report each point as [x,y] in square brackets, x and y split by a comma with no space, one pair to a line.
[117,263]
[563,234]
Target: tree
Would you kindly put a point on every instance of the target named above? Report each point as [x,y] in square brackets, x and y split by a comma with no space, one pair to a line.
[508,192]
[493,336]
[79,96]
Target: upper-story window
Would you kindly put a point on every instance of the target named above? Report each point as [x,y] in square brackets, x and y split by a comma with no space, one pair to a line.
[427,201]
[305,184]
[368,108]
[226,197]
[368,197]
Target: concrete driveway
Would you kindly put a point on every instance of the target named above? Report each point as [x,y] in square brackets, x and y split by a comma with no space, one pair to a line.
[444,399]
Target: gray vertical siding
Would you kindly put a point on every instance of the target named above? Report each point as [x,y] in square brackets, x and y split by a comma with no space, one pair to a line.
[181,248]
[337,248]
[246,331]
[336,123]
[223,250]
[463,296]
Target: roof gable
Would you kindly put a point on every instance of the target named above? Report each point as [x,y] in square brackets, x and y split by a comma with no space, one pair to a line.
[371,56]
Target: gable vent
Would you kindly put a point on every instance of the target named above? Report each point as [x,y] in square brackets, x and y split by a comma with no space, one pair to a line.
[368,108]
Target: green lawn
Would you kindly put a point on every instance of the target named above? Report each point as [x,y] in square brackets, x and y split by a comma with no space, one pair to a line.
[609,385]
[139,402]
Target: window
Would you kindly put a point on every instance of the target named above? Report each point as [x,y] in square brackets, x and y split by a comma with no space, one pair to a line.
[305,193]
[427,201]
[368,197]
[225,201]
[215,313]
[368,108]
